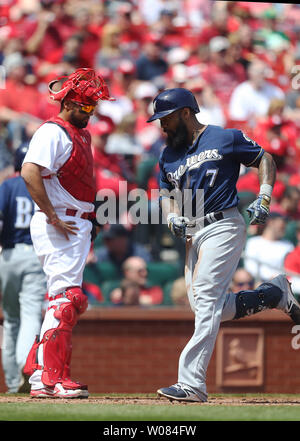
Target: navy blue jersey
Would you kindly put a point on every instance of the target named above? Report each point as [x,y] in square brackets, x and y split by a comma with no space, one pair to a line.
[212,164]
[17,209]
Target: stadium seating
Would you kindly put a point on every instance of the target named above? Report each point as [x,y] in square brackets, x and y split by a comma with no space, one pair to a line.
[105,275]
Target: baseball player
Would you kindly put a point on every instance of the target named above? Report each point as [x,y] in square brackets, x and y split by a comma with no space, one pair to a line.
[58,171]
[22,280]
[207,159]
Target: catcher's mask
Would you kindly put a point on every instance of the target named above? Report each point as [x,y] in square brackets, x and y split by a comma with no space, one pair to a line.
[84,87]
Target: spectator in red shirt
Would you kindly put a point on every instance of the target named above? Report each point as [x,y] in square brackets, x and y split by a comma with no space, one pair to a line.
[217,25]
[249,182]
[20,97]
[48,30]
[135,270]
[288,205]
[62,61]
[90,39]
[171,35]
[107,168]
[80,47]
[223,73]
[20,101]
[131,31]
[278,134]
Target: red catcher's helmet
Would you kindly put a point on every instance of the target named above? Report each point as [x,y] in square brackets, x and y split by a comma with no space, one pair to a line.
[83,86]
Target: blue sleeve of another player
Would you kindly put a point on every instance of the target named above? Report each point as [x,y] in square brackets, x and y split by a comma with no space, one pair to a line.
[163,180]
[3,197]
[245,150]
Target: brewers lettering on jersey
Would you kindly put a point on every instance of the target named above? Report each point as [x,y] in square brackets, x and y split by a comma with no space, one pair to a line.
[213,164]
[208,159]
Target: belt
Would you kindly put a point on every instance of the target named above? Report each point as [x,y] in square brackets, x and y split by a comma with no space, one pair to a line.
[210,218]
[60,295]
[206,220]
[55,297]
[71,212]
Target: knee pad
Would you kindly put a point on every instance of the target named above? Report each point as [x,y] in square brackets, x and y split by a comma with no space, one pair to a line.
[67,315]
[78,299]
[267,296]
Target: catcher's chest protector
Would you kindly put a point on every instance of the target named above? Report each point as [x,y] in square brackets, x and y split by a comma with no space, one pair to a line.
[76,175]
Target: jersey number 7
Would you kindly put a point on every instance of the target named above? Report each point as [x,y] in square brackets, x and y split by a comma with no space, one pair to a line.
[213,172]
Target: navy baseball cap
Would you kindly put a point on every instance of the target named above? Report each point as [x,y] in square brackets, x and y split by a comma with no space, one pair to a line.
[20,154]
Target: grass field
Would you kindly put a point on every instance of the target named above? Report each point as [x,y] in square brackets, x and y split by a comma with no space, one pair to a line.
[20,407]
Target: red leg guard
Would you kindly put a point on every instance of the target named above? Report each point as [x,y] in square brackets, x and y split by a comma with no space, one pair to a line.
[57,345]
[80,301]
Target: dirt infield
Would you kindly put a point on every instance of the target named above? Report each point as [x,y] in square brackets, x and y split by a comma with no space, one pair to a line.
[153,401]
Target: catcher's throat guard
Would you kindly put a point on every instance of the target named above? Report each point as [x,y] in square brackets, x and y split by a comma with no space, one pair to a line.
[57,345]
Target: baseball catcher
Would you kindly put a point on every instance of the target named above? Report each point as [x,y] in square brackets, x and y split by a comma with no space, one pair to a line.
[58,171]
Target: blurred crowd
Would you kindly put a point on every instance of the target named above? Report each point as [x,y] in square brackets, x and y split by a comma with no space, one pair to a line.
[240,59]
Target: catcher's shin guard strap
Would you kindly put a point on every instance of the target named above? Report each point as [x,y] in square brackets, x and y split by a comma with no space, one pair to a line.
[31,362]
[266,296]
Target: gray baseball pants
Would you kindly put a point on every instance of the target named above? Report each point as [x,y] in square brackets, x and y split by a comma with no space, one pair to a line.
[212,256]
[23,288]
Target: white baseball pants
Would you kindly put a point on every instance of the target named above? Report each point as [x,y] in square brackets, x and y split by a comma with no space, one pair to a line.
[63,262]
